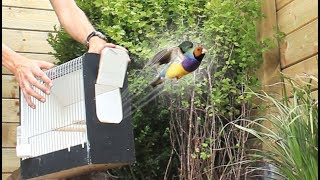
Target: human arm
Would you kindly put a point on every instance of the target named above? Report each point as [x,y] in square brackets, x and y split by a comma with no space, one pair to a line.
[25,71]
[77,25]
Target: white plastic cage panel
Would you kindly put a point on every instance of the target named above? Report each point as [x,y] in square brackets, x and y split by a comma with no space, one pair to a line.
[60,122]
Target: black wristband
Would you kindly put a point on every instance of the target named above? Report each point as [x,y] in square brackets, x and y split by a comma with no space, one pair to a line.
[95,33]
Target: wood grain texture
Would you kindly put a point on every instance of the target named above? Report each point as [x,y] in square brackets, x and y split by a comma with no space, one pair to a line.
[29,19]
[23,14]
[314,94]
[300,44]
[41,4]
[5,71]
[9,134]
[297,14]
[10,87]
[26,41]
[44,57]
[10,161]
[270,69]
[308,66]
[82,172]
[282,3]
[5,175]
[10,110]
[297,71]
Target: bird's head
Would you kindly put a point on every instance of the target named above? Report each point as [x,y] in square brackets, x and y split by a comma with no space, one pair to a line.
[199,52]
[185,46]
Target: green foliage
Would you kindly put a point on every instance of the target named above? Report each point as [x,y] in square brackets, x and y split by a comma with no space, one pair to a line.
[291,144]
[227,30]
[66,48]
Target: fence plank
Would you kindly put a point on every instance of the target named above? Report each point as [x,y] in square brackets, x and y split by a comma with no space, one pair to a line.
[31,19]
[297,14]
[282,3]
[10,87]
[45,57]
[10,162]
[5,175]
[9,134]
[10,110]
[300,44]
[26,41]
[314,94]
[42,4]
[297,71]
[270,69]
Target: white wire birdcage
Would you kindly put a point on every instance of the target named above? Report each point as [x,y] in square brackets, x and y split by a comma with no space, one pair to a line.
[60,122]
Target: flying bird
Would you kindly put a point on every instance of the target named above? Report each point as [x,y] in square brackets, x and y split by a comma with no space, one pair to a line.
[179,61]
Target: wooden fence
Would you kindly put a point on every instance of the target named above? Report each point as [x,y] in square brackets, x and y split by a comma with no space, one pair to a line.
[25,27]
[298,52]
[298,19]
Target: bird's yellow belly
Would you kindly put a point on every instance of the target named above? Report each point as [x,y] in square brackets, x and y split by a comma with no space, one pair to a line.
[176,70]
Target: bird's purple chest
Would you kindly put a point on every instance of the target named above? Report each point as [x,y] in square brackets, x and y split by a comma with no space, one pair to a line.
[190,64]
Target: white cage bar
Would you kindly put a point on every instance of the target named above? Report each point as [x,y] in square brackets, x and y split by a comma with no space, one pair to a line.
[60,122]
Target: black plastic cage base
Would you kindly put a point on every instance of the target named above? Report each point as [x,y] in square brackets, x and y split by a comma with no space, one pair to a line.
[109,145]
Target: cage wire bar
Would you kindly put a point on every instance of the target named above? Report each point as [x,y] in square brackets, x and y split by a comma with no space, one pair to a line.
[85,123]
[65,125]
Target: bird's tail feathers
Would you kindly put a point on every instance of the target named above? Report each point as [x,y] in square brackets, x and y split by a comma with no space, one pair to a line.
[157,81]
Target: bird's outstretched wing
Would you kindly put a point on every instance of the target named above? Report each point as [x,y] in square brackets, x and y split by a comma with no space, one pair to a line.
[165,56]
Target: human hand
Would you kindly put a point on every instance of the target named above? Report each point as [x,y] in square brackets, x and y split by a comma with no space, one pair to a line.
[26,70]
[96,45]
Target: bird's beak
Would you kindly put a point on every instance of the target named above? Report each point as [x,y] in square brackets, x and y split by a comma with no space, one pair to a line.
[204,51]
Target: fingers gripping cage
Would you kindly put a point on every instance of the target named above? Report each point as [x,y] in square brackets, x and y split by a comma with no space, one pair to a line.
[84,110]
